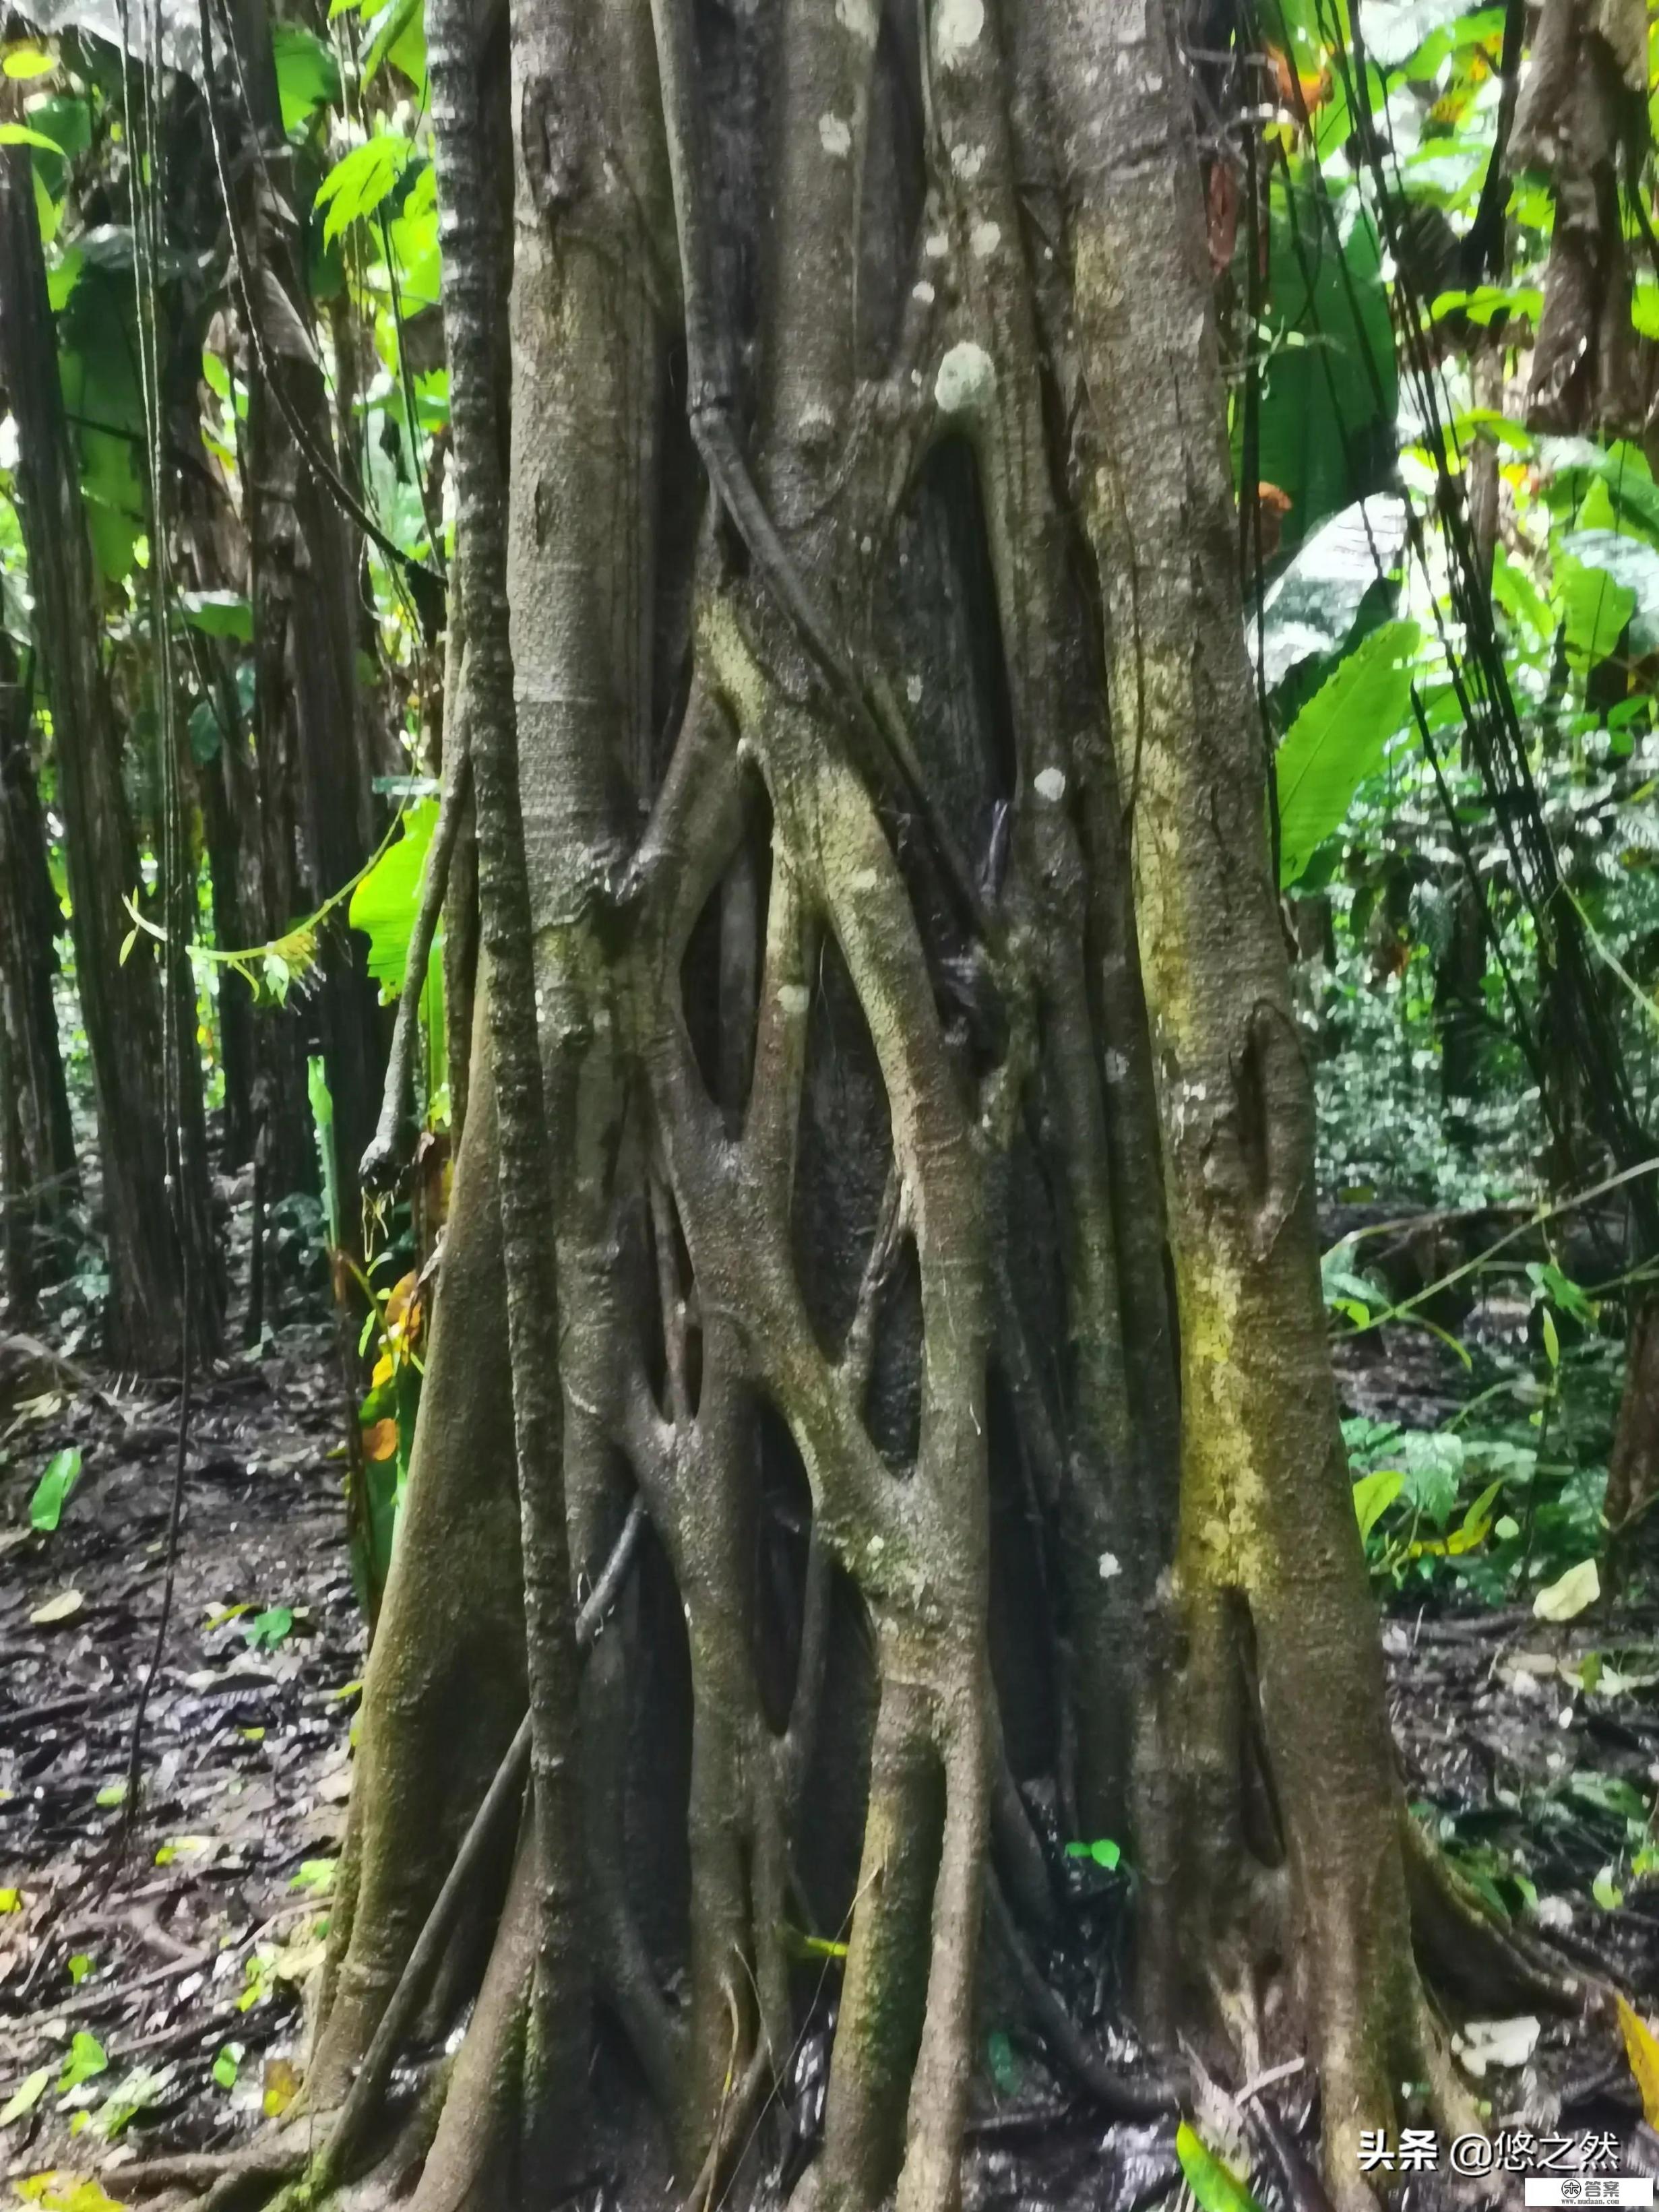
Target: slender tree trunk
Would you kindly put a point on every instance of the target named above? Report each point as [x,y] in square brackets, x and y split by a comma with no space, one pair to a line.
[40,1173]
[30,919]
[317,808]
[121,997]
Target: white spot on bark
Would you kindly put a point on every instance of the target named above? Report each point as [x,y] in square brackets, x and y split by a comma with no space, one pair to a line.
[858,17]
[913,691]
[924,292]
[863,879]
[1110,1567]
[966,379]
[957,26]
[836,136]
[937,246]
[985,240]
[1117,1064]
[794,998]
[1049,783]
[967,161]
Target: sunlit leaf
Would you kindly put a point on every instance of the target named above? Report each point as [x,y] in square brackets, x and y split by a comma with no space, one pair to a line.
[361,181]
[1571,1594]
[1215,2185]
[1641,2049]
[86,2059]
[62,1473]
[1373,1494]
[63,1607]
[307,74]
[26,2096]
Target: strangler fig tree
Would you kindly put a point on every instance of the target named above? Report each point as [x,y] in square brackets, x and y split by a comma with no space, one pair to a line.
[919,1449]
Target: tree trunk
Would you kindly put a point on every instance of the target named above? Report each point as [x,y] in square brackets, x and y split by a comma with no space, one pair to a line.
[316,805]
[30,919]
[924,1102]
[42,1175]
[154,1184]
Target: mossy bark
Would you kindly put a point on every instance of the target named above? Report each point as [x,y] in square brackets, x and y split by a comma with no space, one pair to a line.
[915,1036]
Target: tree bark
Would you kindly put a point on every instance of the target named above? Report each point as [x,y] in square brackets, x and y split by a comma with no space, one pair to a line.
[929,1143]
[317,807]
[155,1186]
[30,919]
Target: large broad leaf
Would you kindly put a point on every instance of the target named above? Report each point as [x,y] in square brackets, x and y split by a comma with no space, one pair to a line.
[1594,608]
[307,74]
[1310,609]
[361,181]
[1340,738]
[1633,564]
[383,905]
[98,360]
[398,35]
[1329,388]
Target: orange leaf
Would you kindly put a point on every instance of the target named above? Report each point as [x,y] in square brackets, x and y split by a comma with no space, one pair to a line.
[380,1439]
[1641,2049]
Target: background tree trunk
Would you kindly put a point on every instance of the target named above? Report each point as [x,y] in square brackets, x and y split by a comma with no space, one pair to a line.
[42,1175]
[154,1184]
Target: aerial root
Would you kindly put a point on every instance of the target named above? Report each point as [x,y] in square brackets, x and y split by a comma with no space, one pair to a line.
[252,2163]
[1470,1954]
[1144,2098]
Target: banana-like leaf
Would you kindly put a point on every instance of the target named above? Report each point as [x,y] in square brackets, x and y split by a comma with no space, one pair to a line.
[1339,738]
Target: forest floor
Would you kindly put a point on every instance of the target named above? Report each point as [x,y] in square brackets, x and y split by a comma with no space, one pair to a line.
[151,1969]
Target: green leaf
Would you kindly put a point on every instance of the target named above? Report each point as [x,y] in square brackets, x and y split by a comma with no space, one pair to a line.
[26,2096]
[227,2065]
[322,1122]
[62,1472]
[266,1630]
[1216,2186]
[1632,564]
[315,1873]
[86,2057]
[79,1966]
[1606,1891]
[361,181]
[1005,2070]
[1476,1524]
[399,36]
[205,736]
[1373,1494]
[1594,609]
[1330,386]
[22,62]
[19,134]
[307,74]
[219,614]
[1339,738]
[383,904]
[1102,1850]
